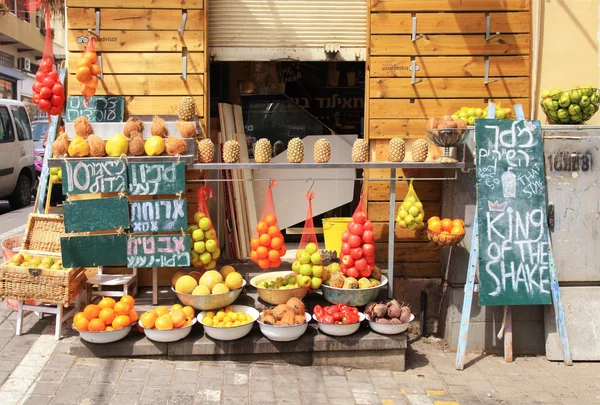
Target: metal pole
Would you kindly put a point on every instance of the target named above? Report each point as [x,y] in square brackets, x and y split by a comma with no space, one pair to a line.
[390,273]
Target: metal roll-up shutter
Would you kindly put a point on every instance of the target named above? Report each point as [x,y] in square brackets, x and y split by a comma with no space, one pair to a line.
[307,30]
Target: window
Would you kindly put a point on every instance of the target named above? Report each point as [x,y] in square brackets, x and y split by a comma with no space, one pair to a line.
[22,123]
[22,12]
[7,60]
[6,129]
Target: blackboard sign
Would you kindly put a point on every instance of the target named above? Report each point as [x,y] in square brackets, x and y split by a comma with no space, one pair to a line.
[156,178]
[511,209]
[100,108]
[158,251]
[95,250]
[105,214]
[91,176]
[159,215]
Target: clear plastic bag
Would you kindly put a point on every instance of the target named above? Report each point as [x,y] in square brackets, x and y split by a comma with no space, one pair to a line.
[410,214]
[268,245]
[205,246]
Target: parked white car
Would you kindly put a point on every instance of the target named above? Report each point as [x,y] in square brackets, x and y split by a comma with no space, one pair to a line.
[17,168]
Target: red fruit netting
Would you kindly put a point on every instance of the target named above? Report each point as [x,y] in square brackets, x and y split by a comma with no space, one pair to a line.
[358,245]
[268,245]
[208,230]
[308,233]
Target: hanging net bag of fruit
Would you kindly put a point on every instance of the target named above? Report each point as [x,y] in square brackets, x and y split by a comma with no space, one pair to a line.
[88,70]
[48,91]
[358,249]
[410,214]
[267,245]
[205,247]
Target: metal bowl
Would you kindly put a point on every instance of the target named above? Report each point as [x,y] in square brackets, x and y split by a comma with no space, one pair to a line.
[273,296]
[353,297]
[105,336]
[234,332]
[340,330]
[209,302]
[284,333]
[166,336]
[388,328]
[448,137]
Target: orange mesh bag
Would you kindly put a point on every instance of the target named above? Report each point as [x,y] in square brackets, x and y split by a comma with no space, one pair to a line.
[205,246]
[268,245]
[358,245]
[88,70]
[309,262]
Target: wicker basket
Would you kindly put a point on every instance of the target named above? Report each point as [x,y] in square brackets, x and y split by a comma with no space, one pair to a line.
[444,238]
[42,238]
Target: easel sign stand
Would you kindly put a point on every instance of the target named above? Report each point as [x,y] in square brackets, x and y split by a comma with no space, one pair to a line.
[511,242]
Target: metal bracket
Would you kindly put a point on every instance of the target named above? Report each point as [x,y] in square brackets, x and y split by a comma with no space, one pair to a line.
[488,28]
[101,75]
[333,48]
[184,58]
[413,68]
[414,35]
[486,79]
[550,215]
[181,29]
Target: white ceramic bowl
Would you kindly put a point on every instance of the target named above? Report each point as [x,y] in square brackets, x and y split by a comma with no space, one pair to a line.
[103,337]
[234,332]
[209,302]
[279,296]
[340,330]
[166,336]
[284,333]
[388,328]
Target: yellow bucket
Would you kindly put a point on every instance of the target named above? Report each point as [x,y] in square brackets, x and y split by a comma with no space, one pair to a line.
[333,228]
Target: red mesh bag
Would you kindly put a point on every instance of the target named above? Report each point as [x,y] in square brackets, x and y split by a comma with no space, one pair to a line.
[309,262]
[308,233]
[358,245]
[88,70]
[268,244]
[48,91]
[205,246]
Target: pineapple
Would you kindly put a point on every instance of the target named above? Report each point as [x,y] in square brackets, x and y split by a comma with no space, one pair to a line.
[396,150]
[231,152]
[360,151]
[295,151]
[187,109]
[206,151]
[262,151]
[322,151]
[419,150]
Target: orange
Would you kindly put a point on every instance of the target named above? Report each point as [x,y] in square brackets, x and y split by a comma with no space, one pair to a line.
[107,315]
[447,225]
[164,323]
[433,219]
[78,316]
[160,311]
[264,264]
[262,228]
[86,91]
[133,316]
[275,263]
[106,302]
[254,243]
[122,308]
[83,74]
[81,323]
[95,70]
[121,321]
[189,311]
[265,240]
[178,317]
[91,56]
[129,300]
[282,251]
[435,226]
[457,230]
[92,83]
[458,222]
[271,220]
[187,323]
[276,243]
[84,62]
[109,328]
[96,325]
[91,311]
[254,256]
[273,231]
[273,255]
[149,319]
[262,252]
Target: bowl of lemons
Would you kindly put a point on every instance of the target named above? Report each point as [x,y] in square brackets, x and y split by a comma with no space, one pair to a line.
[230,323]
[208,291]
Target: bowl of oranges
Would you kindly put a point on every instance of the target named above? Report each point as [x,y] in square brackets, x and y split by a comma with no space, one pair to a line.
[107,321]
[445,232]
[230,323]
[168,325]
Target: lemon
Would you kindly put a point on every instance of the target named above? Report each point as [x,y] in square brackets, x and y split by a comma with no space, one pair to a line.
[227,319]
[207,321]
[233,316]
[229,309]
[153,146]
[225,270]
[220,316]
[249,318]
[229,324]
[210,314]
[237,323]
[79,147]
[234,281]
[117,145]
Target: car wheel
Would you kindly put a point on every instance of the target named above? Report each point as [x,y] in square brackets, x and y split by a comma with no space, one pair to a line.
[21,197]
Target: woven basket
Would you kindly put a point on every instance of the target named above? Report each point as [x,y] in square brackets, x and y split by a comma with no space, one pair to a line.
[42,238]
[444,239]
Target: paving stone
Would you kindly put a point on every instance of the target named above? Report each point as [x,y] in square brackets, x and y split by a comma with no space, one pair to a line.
[236,378]
[185,375]
[187,365]
[337,382]
[363,398]
[208,396]
[261,372]
[161,368]
[263,386]
[236,391]
[52,375]
[235,401]
[80,372]
[38,400]
[339,371]
[105,377]
[180,400]
[154,394]
[45,388]
[122,399]
[183,388]
[157,380]
[212,370]
[211,383]
[130,386]
[362,387]
[134,373]
[288,401]
[66,397]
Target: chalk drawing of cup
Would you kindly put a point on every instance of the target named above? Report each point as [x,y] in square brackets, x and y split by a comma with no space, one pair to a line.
[509,184]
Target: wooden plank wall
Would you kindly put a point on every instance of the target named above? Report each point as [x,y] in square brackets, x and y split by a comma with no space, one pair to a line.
[451,58]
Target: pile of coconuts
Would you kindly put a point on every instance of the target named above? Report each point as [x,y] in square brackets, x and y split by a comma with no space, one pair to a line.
[392,312]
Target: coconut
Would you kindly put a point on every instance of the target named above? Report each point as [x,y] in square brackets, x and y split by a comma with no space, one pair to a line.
[186,129]
[268,319]
[282,309]
[175,146]
[380,310]
[97,146]
[158,127]
[299,319]
[136,144]
[297,306]
[82,127]
[133,124]
[432,123]
[60,146]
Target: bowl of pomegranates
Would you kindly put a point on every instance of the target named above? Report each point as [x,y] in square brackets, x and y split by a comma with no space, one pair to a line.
[388,318]
[338,320]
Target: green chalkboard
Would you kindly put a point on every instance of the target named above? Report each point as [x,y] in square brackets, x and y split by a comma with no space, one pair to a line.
[95,250]
[91,176]
[158,251]
[511,209]
[99,109]
[104,214]
[154,178]
[159,215]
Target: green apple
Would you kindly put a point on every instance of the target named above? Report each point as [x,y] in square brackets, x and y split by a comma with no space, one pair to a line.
[333,267]
[316,283]
[216,253]
[205,224]
[36,261]
[54,179]
[304,281]
[27,256]
[306,269]
[296,266]
[60,174]
[211,245]
[198,235]
[48,261]
[199,247]
[54,171]
[311,248]
[303,257]
[211,234]
[211,265]
[192,228]
[316,258]
[198,216]
[317,271]
[195,257]
[205,258]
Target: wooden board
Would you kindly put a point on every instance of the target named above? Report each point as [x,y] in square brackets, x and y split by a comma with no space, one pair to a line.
[514,267]
[449,66]
[134,19]
[425,108]
[450,23]
[381,231]
[102,214]
[159,105]
[138,41]
[153,178]
[94,176]
[159,215]
[93,251]
[387,129]
[413,252]
[176,4]
[380,211]
[99,108]
[449,5]
[145,85]
[145,63]
[426,190]
[158,251]
[518,44]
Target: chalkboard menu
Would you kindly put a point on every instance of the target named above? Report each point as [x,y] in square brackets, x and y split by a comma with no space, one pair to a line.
[152,178]
[101,214]
[511,209]
[94,250]
[158,251]
[91,176]
[99,109]
[159,215]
